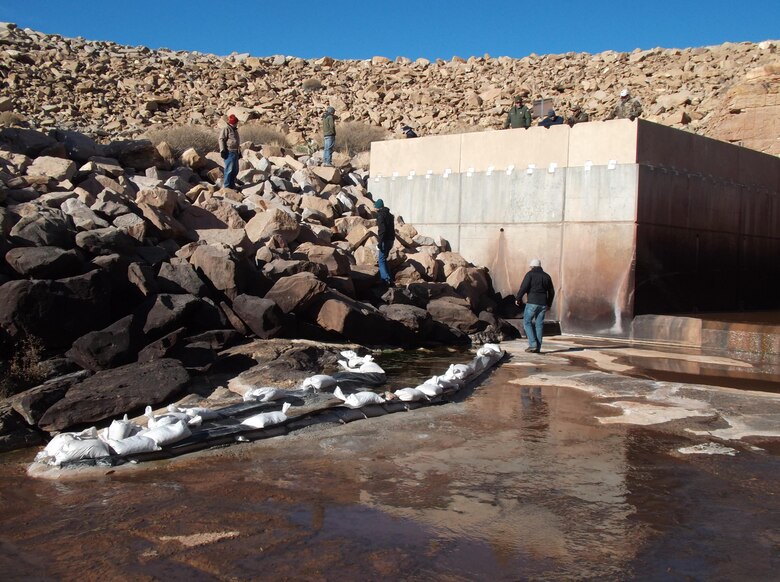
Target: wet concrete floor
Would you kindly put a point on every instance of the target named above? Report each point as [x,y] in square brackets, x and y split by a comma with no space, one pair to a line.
[528,478]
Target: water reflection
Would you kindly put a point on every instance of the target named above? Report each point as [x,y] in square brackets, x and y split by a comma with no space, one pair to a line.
[515,482]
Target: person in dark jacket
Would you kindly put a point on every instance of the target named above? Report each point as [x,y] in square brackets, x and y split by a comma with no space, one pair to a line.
[328,136]
[551,119]
[408,132]
[230,151]
[539,287]
[386,235]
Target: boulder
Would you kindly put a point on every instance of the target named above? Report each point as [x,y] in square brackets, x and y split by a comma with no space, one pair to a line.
[34,402]
[262,316]
[334,259]
[45,262]
[137,154]
[415,319]
[82,215]
[272,222]
[106,241]
[166,225]
[44,228]
[78,146]
[25,141]
[58,311]
[110,347]
[55,168]
[112,393]
[163,313]
[234,238]
[178,276]
[14,432]
[355,321]
[296,293]
[278,268]
[225,269]
[470,282]
[456,314]
[211,214]
[163,199]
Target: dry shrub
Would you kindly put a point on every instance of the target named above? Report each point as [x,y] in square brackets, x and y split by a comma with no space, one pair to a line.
[311,85]
[183,137]
[260,134]
[354,137]
[24,369]
[10,119]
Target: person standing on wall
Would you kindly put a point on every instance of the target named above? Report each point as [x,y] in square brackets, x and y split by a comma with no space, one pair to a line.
[386,235]
[230,150]
[539,287]
[626,108]
[518,115]
[328,136]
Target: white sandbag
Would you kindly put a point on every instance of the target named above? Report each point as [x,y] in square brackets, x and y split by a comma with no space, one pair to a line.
[355,363]
[170,417]
[56,444]
[266,419]
[318,382]
[430,390]
[371,368]
[489,350]
[358,399]
[76,449]
[169,433]
[410,394]
[444,382]
[264,394]
[121,429]
[457,372]
[134,444]
[202,413]
[196,411]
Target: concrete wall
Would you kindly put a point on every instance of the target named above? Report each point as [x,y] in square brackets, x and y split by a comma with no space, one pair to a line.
[622,214]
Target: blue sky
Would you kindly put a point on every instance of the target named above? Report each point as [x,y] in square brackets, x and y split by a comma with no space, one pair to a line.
[430,29]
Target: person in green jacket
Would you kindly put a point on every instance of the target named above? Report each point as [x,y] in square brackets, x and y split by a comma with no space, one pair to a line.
[518,115]
[328,135]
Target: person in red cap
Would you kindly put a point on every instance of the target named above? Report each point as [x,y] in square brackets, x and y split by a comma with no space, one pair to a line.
[230,151]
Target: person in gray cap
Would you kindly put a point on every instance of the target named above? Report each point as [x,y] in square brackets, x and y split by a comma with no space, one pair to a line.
[539,287]
[328,136]
[386,234]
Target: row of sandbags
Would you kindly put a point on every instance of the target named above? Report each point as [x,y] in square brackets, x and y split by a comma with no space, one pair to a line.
[125,437]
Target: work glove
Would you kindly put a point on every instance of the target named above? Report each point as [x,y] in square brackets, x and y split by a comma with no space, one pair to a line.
[224,154]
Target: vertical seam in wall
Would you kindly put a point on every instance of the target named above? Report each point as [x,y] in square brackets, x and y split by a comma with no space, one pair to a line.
[563,225]
[460,193]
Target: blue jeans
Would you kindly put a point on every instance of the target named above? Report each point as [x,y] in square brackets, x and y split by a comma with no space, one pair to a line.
[327,156]
[231,170]
[533,323]
[383,249]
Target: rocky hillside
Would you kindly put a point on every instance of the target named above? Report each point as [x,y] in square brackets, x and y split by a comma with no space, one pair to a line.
[729,92]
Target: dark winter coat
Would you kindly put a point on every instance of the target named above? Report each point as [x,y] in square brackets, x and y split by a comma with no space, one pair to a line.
[386,223]
[539,287]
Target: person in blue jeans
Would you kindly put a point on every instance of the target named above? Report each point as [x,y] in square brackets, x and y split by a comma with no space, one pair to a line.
[328,136]
[230,150]
[538,286]
[386,234]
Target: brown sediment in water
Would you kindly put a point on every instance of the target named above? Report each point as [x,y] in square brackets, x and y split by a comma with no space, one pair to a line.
[519,481]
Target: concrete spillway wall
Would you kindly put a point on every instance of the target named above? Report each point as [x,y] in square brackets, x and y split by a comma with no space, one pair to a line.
[628,217]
